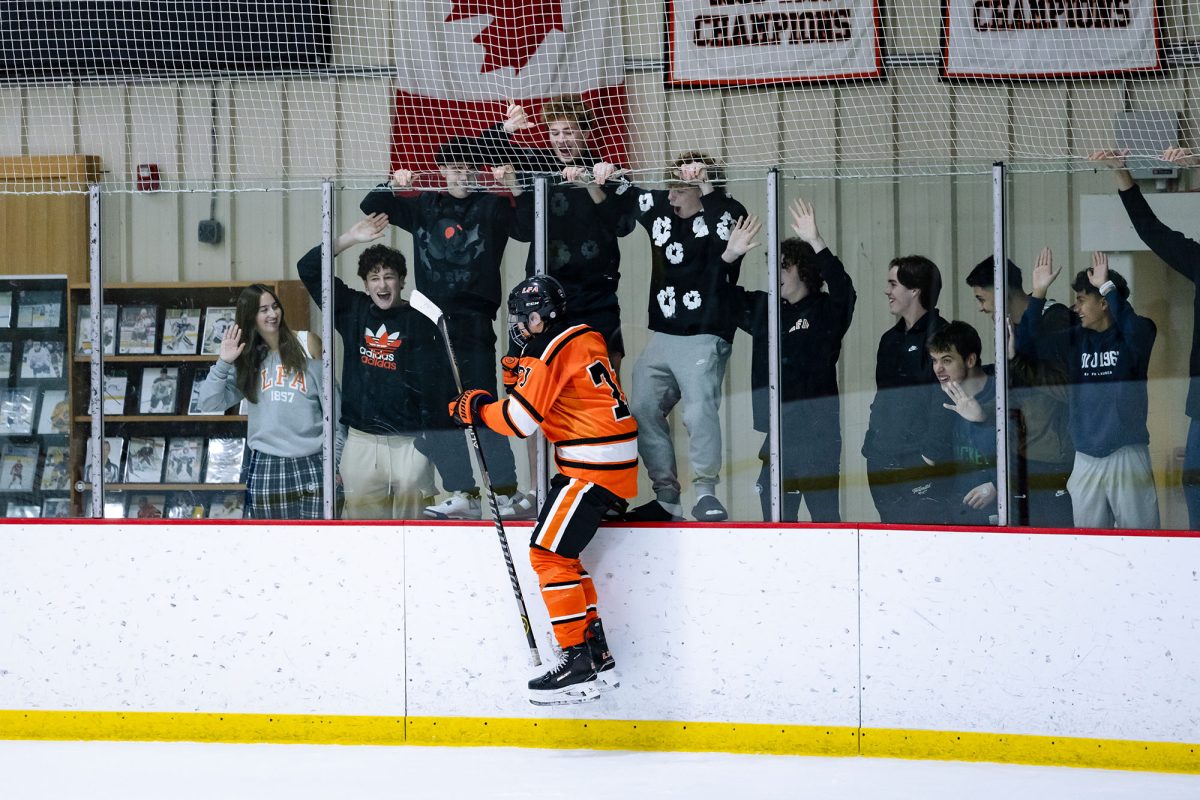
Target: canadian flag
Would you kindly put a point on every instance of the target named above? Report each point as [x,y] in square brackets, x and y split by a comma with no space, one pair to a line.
[460,61]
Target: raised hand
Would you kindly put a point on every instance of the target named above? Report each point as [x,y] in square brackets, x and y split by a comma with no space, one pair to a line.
[741,237]
[1114,159]
[1181,156]
[1044,273]
[961,403]
[515,118]
[231,344]
[1011,349]
[368,229]
[1098,274]
[402,178]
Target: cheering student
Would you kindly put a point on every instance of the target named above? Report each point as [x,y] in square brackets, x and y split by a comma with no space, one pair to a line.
[701,234]
[1108,355]
[459,236]
[1181,254]
[267,365]
[582,226]
[567,387]
[812,323]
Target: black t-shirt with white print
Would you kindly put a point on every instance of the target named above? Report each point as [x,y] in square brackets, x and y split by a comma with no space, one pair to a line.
[690,285]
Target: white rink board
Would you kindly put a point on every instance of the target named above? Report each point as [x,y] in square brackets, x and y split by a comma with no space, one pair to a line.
[706,624]
[1083,636]
[249,619]
[1089,636]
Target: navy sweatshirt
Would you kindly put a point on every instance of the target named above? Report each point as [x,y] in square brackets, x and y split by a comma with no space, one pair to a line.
[808,352]
[691,287]
[395,376]
[1106,374]
[1182,255]
[900,429]
[458,244]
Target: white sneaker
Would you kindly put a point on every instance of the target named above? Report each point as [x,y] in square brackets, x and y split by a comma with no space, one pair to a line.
[517,506]
[459,505]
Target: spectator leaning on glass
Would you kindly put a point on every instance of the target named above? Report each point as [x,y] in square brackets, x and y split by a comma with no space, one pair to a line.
[1037,402]
[459,235]
[396,381]
[812,322]
[902,445]
[263,361]
[701,235]
[1182,255]
[1108,357]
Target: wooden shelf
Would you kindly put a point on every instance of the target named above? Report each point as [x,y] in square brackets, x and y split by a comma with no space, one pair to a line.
[139,358]
[167,418]
[175,487]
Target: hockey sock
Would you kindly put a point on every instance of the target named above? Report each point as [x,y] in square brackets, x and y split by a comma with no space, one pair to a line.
[562,591]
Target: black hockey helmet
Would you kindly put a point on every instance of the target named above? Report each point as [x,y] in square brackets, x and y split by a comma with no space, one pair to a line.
[540,294]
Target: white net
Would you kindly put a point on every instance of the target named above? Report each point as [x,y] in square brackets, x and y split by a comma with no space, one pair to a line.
[229,94]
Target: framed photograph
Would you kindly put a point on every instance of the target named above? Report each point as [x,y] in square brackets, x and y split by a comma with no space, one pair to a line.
[217,320]
[56,507]
[111,449]
[37,309]
[145,461]
[181,331]
[194,401]
[25,510]
[227,505]
[18,462]
[146,506]
[224,462]
[55,470]
[42,359]
[184,456]
[184,505]
[116,387]
[160,389]
[138,329]
[16,411]
[5,309]
[55,416]
[83,330]
[6,349]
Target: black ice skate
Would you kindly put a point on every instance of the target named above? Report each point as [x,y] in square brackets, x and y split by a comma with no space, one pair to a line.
[606,665]
[571,680]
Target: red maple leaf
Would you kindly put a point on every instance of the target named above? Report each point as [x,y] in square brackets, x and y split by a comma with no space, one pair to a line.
[517,29]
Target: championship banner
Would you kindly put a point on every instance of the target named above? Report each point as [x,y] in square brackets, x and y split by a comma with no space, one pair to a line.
[459,62]
[747,42]
[1048,38]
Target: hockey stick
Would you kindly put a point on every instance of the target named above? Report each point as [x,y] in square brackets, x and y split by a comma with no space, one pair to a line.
[429,309]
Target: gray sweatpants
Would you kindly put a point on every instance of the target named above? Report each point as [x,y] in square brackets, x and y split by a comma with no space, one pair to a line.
[674,369]
[1114,491]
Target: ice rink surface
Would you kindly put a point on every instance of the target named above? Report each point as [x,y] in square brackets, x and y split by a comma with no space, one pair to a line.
[183,771]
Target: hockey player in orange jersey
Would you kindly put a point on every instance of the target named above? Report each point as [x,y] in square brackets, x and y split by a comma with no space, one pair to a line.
[565,385]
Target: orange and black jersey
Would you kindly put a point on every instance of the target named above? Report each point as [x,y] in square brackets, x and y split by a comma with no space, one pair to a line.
[566,386]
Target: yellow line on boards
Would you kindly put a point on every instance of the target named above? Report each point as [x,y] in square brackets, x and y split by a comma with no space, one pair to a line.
[593,734]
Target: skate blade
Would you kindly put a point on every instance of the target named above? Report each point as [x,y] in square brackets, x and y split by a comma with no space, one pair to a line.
[607,681]
[565,697]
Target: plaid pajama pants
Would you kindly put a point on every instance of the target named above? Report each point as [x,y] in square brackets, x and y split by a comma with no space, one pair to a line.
[283,488]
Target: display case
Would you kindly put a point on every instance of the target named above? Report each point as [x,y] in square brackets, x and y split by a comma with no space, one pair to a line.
[35,412]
